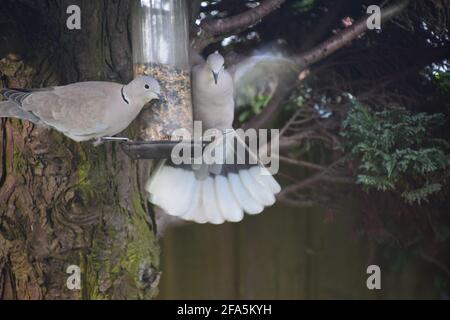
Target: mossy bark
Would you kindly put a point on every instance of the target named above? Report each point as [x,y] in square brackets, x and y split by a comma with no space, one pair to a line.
[64,203]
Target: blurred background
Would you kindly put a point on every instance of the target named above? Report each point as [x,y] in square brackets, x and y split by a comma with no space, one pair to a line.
[364,160]
[291,254]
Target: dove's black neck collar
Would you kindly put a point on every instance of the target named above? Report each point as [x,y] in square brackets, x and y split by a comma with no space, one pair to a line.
[123,96]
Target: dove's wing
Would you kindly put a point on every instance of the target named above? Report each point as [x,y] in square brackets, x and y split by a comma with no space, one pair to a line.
[78,109]
[18,95]
[259,76]
[12,106]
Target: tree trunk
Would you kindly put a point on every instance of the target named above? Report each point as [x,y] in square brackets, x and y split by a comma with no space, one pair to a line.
[64,203]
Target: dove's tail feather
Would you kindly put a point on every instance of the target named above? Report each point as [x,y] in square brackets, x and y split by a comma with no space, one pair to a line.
[215,199]
[9,109]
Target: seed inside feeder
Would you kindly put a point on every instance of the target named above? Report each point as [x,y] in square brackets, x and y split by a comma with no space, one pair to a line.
[174,111]
[160,42]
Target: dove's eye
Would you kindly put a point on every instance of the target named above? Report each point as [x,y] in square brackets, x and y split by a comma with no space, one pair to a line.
[147,86]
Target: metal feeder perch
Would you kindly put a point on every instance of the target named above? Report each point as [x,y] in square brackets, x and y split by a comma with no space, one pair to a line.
[160,44]
[157,149]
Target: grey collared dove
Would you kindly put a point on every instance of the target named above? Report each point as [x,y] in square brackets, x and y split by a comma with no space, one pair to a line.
[84,110]
[221,195]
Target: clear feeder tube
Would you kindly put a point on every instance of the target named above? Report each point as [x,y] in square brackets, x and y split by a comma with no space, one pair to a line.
[160,44]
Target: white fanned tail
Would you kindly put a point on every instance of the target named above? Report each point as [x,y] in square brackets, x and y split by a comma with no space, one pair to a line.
[216,197]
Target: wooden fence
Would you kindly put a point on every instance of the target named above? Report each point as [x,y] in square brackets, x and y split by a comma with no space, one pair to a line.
[282,254]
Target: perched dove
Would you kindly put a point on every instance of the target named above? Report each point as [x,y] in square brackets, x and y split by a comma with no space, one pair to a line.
[84,110]
[217,193]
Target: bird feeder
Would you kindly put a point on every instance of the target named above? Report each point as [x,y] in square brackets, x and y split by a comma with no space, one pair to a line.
[160,44]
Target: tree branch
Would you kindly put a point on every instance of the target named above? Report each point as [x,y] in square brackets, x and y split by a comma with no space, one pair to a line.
[346,36]
[309,181]
[242,20]
[311,36]
[295,203]
[213,30]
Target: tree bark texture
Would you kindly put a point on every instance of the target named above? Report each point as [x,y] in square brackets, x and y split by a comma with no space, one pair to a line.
[64,203]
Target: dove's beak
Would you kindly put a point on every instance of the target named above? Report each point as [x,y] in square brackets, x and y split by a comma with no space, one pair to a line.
[216,77]
[156,97]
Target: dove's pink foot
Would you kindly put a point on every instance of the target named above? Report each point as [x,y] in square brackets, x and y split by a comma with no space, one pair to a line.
[98,142]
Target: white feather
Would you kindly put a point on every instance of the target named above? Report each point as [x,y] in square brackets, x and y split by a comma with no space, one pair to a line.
[200,216]
[161,184]
[173,183]
[150,185]
[183,193]
[272,183]
[210,205]
[228,205]
[195,202]
[260,193]
[244,198]
[263,176]
[195,212]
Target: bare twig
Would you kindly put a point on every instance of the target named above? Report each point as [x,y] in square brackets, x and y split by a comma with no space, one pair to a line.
[296,203]
[311,180]
[302,163]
